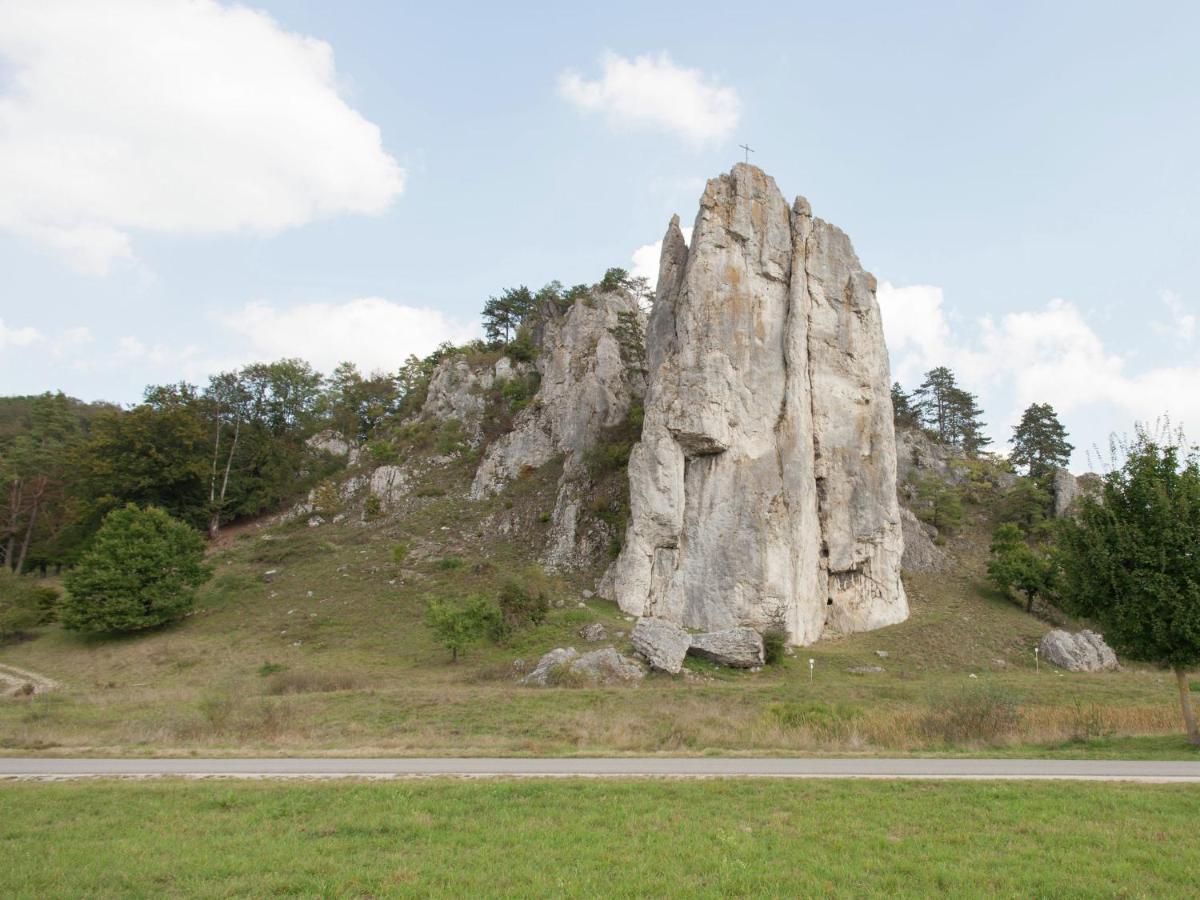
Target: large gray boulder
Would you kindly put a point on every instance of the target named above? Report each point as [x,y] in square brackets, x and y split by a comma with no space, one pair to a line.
[764,485]
[741,648]
[1084,651]
[458,391]
[661,643]
[565,665]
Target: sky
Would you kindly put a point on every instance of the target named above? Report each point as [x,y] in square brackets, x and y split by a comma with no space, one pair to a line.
[190,185]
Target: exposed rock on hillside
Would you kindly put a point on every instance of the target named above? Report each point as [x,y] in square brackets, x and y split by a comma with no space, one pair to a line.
[741,648]
[918,454]
[586,387]
[764,485]
[1084,651]
[921,554]
[457,390]
[565,665]
[1068,489]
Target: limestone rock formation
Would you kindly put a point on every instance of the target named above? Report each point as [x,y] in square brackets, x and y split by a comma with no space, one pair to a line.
[586,387]
[566,665]
[661,643]
[741,648]
[921,554]
[457,391]
[764,485]
[1084,651]
[918,454]
[1068,489]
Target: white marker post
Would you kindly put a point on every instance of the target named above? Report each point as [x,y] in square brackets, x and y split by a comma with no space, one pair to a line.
[1037,659]
[811,663]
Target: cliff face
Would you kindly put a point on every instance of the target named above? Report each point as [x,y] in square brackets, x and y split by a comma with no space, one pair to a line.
[764,487]
[586,387]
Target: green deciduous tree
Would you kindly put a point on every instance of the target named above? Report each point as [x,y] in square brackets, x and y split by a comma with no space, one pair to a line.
[1039,441]
[1014,565]
[1131,559]
[457,626]
[939,503]
[139,571]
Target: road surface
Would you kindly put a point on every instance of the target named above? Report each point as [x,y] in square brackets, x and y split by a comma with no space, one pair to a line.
[619,767]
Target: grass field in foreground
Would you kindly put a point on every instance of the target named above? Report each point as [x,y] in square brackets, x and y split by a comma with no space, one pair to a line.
[598,838]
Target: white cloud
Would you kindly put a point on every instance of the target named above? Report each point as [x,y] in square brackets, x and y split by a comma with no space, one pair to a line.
[372,332]
[18,337]
[1051,355]
[647,257]
[653,92]
[174,116]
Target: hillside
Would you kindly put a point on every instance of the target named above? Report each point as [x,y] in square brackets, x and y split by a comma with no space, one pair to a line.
[334,655]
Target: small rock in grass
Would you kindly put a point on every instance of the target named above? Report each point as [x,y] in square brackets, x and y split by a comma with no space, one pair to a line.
[593,633]
[882,654]
[868,670]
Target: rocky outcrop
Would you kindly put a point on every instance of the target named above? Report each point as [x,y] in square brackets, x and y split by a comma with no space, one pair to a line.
[458,391]
[740,648]
[1068,489]
[918,454]
[565,666]
[921,554]
[764,485]
[389,484]
[586,387]
[329,442]
[661,643]
[1084,651]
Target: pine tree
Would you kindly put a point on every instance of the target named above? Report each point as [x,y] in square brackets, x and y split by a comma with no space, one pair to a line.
[1039,441]
[950,413]
[503,315]
[904,411]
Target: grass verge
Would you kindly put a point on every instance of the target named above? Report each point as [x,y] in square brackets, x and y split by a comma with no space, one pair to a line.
[598,838]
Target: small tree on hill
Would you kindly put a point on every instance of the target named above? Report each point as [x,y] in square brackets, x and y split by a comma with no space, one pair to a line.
[140,571]
[939,503]
[503,315]
[1015,565]
[1039,441]
[457,626]
[1130,561]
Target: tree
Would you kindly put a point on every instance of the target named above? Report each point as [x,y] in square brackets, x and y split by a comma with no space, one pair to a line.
[1027,504]
[1014,565]
[458,626]
[904,411]
[950,413]
[1039,441]
[140,570]
[503,315]
[939,503]
[1129,561]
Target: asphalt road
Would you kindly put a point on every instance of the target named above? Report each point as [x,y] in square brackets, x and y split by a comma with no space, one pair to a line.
[620,767]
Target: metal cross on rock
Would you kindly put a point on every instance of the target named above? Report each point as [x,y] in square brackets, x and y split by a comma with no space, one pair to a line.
[748,150]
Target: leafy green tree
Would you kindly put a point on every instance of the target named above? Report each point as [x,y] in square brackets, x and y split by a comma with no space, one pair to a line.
[939,503]
[1027,505]
[148,456]
[356,405]
[1039,441]
[457,626]
[140,570]
[904,411]
[1130,562]
[1014,565]
[24,604]
[615,279]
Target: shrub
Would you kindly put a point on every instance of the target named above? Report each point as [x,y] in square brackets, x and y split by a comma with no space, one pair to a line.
[399,554]
[372,506]
[140,570]
[270,668]
[458,626]
[775,642]
[24,604]
[521,606]
[450,563]
[983,714]
[383,453]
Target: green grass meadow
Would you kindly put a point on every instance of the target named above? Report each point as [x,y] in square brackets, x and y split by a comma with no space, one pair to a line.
[591,838]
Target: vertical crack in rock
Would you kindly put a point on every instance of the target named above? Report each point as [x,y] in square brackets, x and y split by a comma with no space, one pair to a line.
[764,483]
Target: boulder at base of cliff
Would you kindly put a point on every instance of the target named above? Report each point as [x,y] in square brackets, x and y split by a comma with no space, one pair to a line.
[661,643]
[1084,651]
[741,648]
